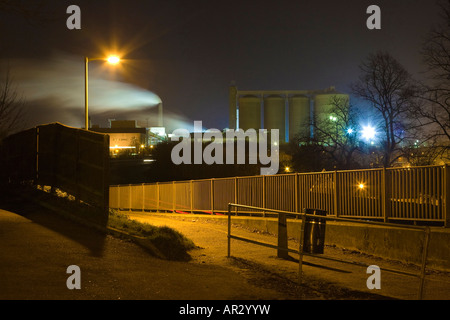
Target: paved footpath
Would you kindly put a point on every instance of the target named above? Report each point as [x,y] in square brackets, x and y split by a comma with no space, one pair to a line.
[37,247]
[210,234]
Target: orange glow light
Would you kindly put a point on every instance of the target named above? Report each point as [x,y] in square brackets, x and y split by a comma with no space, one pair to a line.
[113,59]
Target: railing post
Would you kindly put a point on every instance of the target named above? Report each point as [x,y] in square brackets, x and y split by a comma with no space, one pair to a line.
[77,167]
[191,185]
[300,249]
[446,213]
[297,202]
[173,197]
[386,194]
[282,236]
[157,197]
[143,198]
[229,230]
[424,261]
[119,201]
[336,194]
[212,196]
[235,193]
[264,193]
[129,198]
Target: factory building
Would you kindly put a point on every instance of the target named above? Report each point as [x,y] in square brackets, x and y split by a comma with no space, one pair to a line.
[289,111]
[127,135]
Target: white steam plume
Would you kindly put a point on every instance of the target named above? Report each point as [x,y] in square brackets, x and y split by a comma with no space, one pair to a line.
[54,91]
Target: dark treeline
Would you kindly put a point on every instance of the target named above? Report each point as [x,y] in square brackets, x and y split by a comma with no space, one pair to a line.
[164,168]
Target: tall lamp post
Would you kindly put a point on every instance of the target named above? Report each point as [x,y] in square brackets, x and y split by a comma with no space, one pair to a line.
[111,60]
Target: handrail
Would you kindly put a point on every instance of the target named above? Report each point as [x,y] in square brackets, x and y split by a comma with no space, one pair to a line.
[334,218]
[300,252]
[416,194]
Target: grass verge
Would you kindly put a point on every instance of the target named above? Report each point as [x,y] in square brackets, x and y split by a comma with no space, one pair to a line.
[162,242]
[170,243]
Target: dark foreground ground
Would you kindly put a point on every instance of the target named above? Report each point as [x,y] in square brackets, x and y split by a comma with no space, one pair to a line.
[37,246]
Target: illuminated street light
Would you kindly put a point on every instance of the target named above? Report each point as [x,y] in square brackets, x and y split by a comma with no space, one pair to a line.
[112,60]
[368,132]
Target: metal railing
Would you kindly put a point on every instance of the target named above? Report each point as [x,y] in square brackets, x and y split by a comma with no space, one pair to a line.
[283,243]
[415,194]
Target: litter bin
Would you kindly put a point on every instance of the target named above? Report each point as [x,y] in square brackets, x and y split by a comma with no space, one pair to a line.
[314,236]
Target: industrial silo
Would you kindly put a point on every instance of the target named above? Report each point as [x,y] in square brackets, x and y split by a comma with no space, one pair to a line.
[232,107]
[324,103]
[249,112]
[299,116]
[275,115]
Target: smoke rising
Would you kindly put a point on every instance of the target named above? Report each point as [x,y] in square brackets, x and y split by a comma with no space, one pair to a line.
[53,91]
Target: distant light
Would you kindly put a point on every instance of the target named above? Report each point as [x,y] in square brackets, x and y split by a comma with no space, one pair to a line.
[333,118]
[349,130]
[142,146]
[361,186]
[368,132]
[287,169]
[125,147]
[113,59]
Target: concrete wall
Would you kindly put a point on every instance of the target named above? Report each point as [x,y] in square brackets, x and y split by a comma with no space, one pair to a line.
[398,244]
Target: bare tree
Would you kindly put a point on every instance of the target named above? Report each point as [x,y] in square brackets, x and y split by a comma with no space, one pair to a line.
[435,112]
[336,133]
[391,92]
[334,142]
[11,107]
[423,153]
[11,104]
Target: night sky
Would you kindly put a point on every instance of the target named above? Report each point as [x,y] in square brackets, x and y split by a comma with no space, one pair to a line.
[186,53]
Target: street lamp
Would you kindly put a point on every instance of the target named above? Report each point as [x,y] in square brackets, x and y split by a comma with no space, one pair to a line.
[111,60]
[368,132]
